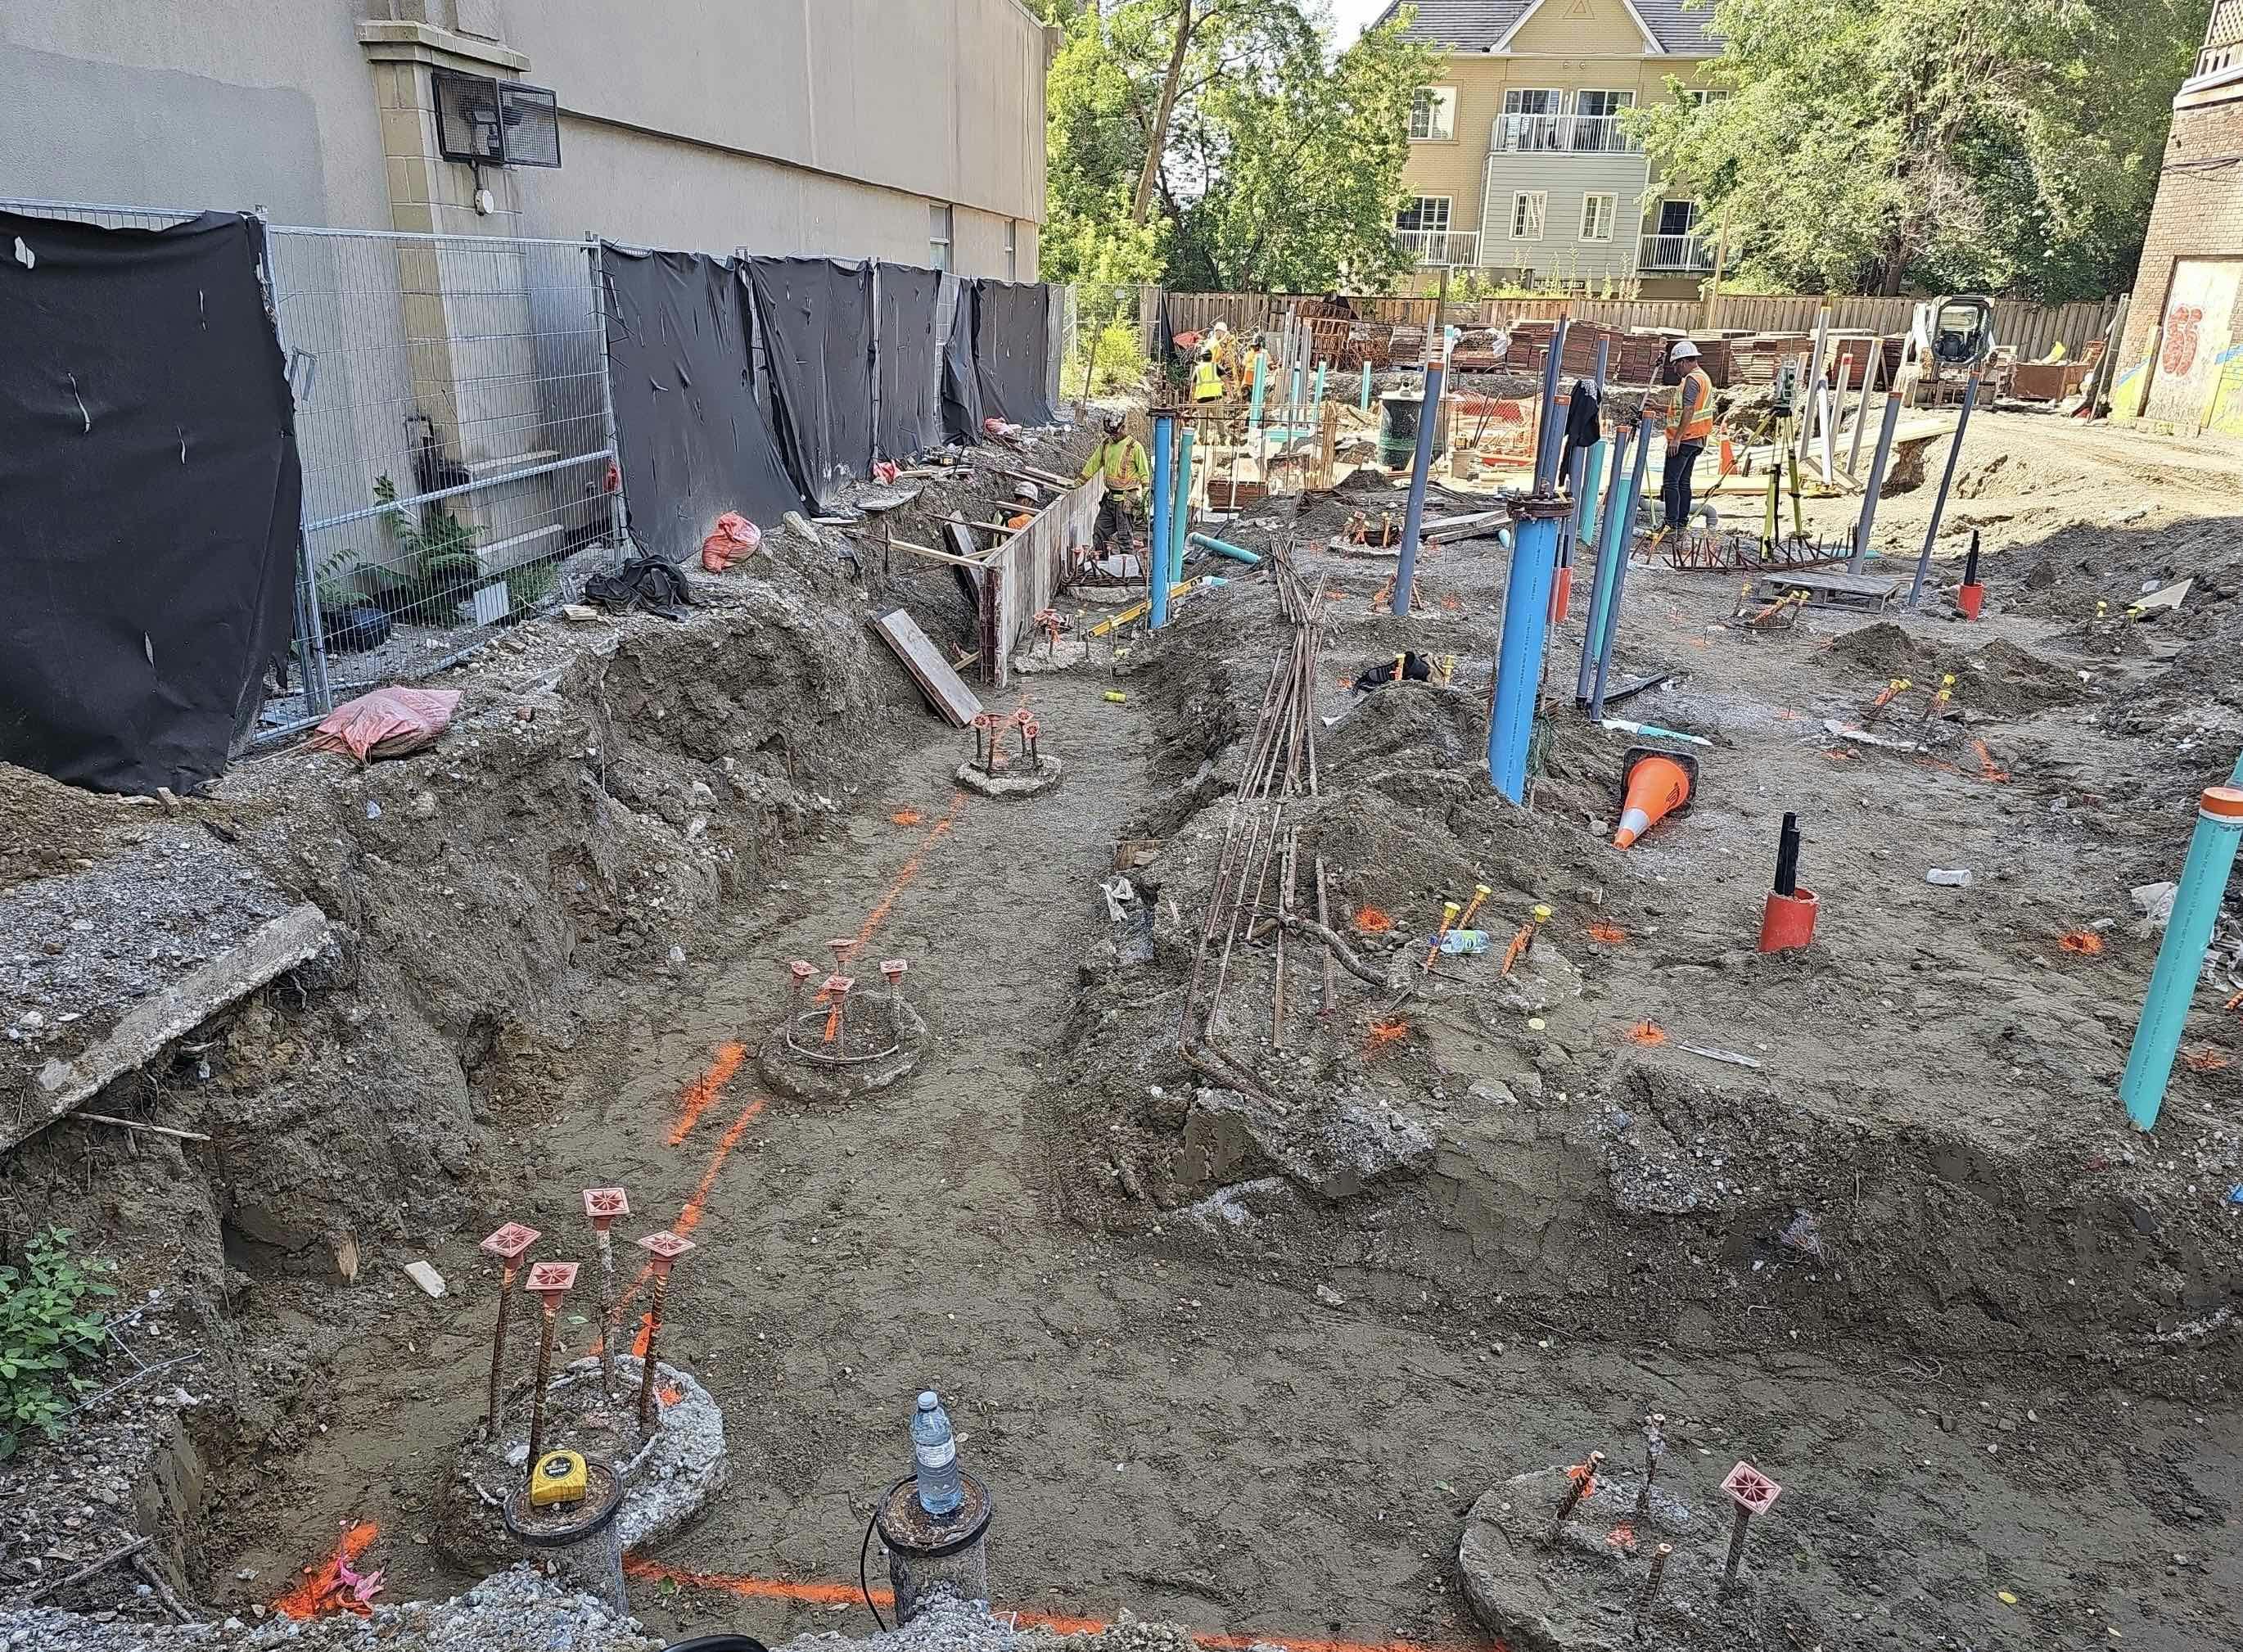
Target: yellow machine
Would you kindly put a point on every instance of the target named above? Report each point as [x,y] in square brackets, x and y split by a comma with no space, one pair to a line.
[561,1478]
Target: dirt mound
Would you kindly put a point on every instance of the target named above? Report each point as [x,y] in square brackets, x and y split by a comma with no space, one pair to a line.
[48,826]
[2000,680]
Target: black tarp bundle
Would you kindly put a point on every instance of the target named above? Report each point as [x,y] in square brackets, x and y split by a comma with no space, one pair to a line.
[1012,349]
[814,316]
[909,420]
[961,380]
[694,440]
[153,496]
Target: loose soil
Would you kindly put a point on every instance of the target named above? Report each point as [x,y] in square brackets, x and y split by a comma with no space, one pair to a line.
[1246,1362]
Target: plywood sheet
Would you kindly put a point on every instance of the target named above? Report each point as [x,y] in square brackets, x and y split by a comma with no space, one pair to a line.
[945,689]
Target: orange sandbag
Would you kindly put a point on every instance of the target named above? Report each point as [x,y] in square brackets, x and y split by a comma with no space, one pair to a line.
[389,721]
[736,537]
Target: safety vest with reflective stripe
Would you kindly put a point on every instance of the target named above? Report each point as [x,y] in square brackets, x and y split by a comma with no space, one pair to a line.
[1207,382]
[1122,459]
[1698,391]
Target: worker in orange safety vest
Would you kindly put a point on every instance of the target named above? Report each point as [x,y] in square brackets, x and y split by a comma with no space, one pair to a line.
[1688,432]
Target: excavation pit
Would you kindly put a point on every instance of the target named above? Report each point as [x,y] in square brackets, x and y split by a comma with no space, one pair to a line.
[871,1046]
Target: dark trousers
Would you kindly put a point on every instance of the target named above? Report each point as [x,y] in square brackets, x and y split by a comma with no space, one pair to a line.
[1674,490]
[1117,522]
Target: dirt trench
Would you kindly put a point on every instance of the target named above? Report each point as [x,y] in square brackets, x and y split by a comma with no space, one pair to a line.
[1242,1371]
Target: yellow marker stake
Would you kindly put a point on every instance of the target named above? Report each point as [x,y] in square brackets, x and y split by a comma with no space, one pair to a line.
[1480,891]
[1449,911]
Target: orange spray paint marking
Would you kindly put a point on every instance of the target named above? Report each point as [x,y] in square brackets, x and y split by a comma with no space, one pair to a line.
[832,1595]
[1369,920]
[706,1089]
[1622,1536]
[2085,942]
[2202,1058]
[907,871]
[323,1590]
[1609,934]
[1384,1033]
[689,1214]
[906,817]
[1649,1033]
[1988,769]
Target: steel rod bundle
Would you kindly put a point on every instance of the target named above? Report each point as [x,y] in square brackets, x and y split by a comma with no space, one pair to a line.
[1257,875]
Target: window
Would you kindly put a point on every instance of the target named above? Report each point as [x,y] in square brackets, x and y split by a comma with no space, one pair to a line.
[937,233]
[1527,207]
[1696,97]
[1596,104]
[1527,100]
[1012,249]
[1532,119]
[1425,214]
[1433,114]
[1597,212]
[1678,218]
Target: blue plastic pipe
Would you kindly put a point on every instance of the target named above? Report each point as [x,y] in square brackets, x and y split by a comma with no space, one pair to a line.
[1163,439]
[1518,656]
[2180,956]
[1616,587]
[1413,516]
[1363,401]
[1618,504]
[1222,548]
[1179,529]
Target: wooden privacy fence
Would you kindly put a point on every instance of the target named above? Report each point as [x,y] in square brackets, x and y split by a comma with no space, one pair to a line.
[2030,329]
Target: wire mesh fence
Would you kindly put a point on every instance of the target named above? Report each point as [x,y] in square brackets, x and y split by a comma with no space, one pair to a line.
[457,444]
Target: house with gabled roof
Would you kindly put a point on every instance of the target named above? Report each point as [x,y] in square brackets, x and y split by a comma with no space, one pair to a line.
[1520,163]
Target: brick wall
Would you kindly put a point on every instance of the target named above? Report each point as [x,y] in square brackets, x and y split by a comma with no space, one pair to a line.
[2199,215]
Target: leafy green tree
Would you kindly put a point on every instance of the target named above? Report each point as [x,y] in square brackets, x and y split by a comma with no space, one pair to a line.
[1224,143]
[2008,145]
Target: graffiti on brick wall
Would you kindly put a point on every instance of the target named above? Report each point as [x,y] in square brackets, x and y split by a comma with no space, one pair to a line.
[2184,322]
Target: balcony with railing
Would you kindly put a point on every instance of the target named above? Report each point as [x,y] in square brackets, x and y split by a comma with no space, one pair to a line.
[1689,254]
[1561,135]
[1438,247]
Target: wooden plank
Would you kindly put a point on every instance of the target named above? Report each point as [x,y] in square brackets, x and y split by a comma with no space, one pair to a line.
[945,689]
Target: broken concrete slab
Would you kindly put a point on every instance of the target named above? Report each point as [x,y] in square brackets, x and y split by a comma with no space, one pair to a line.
[142,1033]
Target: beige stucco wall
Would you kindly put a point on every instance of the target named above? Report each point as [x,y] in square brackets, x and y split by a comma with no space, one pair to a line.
[783,125]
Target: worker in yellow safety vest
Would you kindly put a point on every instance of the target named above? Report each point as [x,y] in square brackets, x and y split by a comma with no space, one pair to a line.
[1120,458]
[1224,345]
[1207,379]
[1687,433]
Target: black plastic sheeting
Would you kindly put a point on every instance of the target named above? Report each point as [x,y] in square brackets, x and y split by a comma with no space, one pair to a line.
[814,316]
[148,463]
[908,421]
[694,440]
[961,383]
[1012,348]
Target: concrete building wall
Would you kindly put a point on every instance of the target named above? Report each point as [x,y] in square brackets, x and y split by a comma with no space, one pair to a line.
[170,103]
[829,127]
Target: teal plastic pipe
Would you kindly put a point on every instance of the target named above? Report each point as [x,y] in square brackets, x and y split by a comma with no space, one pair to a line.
[1363,401]
[1320,384]
[1183,510]
[1235,553]
[1261,383]
[1156,538]
[1620,506]
[2180,956]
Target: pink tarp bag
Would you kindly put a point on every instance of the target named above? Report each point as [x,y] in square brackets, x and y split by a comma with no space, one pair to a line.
[389,721]
[735,539]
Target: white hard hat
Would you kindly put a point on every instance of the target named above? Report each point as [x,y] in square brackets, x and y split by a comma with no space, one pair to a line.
[1223,326]
[1684,351]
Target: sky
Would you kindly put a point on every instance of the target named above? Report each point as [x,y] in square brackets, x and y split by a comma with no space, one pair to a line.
[1353,16]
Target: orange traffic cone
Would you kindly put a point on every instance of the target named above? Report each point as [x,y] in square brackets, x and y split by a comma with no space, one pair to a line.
[1657,784]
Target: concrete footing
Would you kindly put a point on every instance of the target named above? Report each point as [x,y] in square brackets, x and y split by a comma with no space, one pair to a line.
[1014,781]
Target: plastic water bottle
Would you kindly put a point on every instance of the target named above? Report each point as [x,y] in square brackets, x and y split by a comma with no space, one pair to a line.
[936,1453]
